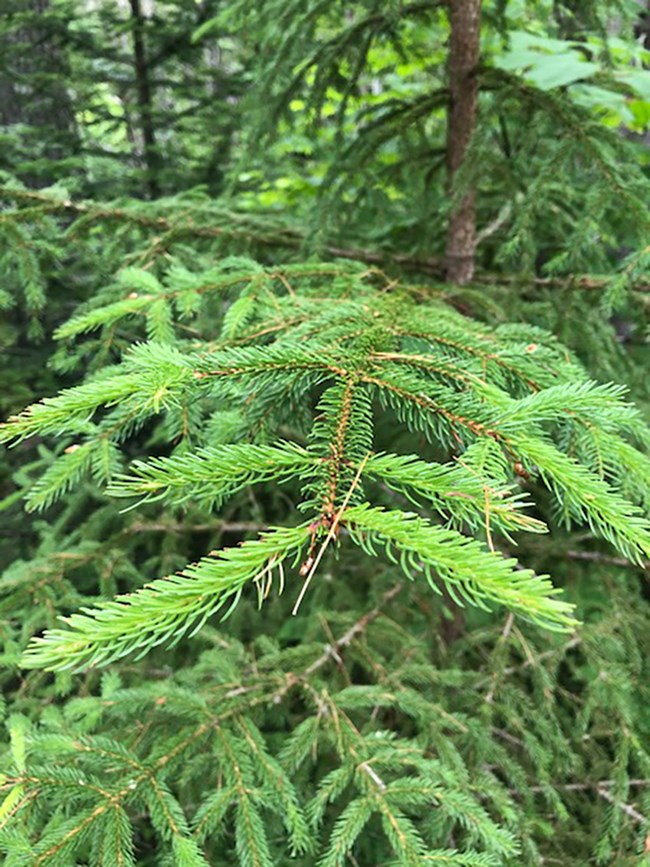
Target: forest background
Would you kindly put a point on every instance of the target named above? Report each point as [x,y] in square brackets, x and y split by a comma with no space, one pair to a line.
[375,275]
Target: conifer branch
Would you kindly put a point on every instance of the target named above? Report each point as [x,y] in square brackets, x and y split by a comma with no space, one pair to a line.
[290,238]
[165,610]
[454,490]
[210,474]
[470,573]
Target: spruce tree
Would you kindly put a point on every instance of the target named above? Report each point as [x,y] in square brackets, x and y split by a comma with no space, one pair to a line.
[289,598]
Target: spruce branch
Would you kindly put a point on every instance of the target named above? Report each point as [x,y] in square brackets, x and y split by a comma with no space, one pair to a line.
[151,377]
[69,410]
[165,610]
[210,474]
[587,498]
[290,238]
[469,572]
[455,491]
[498,403]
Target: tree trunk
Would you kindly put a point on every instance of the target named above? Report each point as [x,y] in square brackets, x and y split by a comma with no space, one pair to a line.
[465,17]
[143,86]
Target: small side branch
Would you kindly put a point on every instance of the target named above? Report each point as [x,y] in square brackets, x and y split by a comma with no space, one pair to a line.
[628,809]
[332,650]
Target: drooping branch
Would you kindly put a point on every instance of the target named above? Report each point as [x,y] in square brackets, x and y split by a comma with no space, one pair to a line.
[281,237]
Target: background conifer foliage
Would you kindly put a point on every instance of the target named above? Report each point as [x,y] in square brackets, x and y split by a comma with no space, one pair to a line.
[325,532]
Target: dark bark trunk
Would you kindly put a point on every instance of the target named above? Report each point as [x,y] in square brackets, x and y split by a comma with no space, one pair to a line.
[464,16]
[143,87]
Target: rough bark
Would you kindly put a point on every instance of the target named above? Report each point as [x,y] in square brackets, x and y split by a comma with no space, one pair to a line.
[464,18]
[145,102]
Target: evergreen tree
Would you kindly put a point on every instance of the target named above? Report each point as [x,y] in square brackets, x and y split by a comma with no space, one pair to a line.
[339,563]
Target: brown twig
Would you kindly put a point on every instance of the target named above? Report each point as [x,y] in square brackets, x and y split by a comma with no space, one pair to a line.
[332,650]
[331,534]
[292,239]
[628,809]
[605,559]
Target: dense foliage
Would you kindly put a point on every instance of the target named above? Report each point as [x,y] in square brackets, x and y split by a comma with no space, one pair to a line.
[316,548]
